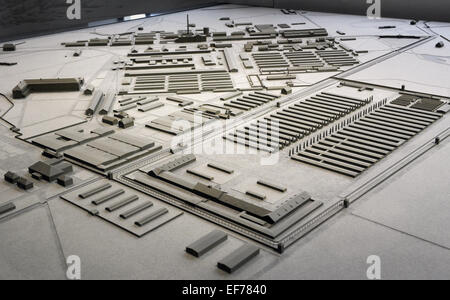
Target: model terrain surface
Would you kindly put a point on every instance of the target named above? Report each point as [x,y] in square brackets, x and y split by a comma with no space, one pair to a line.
[227,142]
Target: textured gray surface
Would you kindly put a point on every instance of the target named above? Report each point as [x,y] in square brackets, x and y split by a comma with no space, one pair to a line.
[161,255]
[31,17]
[30,247]
[36,17]
[428,73]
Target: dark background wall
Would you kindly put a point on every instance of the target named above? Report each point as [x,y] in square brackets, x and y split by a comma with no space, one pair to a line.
[430,10]
[31,17]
